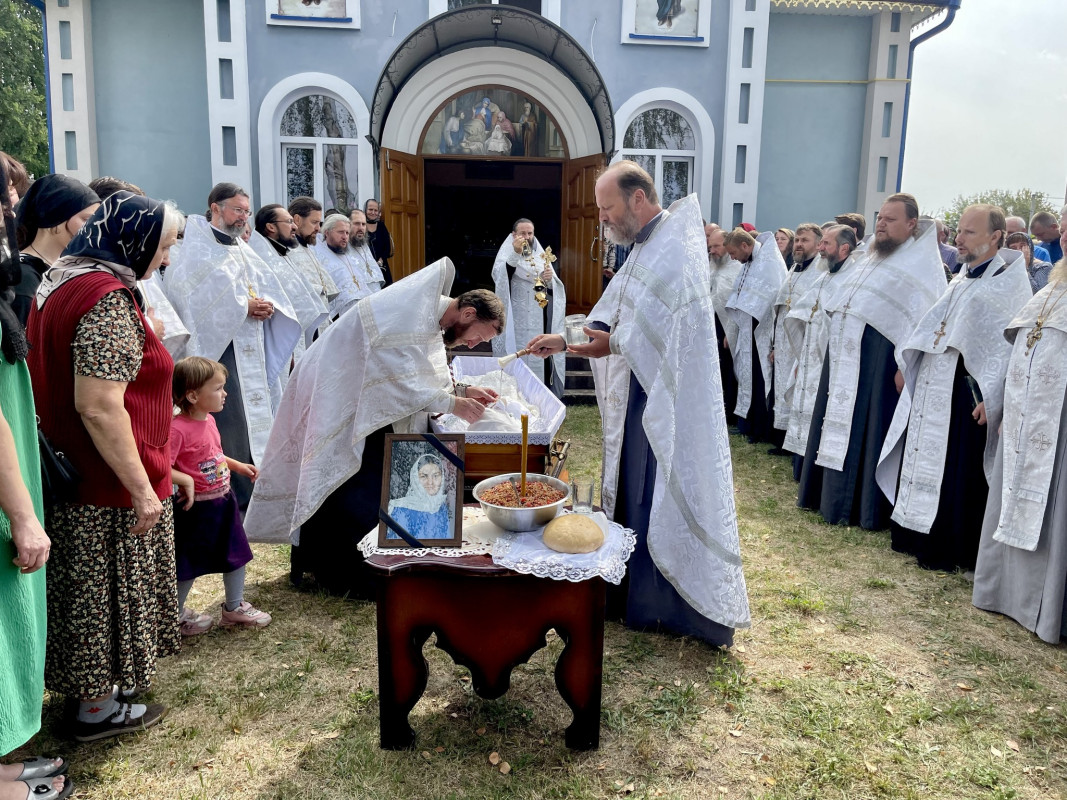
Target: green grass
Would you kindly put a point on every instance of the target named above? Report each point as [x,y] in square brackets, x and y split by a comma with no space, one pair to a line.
[861,677]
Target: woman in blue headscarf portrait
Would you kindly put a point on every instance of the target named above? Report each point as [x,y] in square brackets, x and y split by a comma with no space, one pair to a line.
[423,511]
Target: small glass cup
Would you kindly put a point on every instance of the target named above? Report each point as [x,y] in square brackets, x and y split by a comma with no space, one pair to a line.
[582,495]
[576,334]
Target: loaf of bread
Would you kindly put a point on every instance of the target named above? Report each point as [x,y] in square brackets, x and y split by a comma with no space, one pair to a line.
[573,533]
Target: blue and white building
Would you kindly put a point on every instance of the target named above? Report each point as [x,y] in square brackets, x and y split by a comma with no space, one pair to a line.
[774,112]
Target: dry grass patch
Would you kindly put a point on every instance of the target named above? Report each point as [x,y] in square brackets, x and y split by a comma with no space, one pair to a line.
[862,677]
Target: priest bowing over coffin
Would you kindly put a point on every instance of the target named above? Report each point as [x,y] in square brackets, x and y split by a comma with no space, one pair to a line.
[667,471]
[380,368]
[872,312]
[938,456]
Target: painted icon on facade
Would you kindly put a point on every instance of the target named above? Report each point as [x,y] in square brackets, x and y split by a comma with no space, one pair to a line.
[320,9]
[492,122]
[666,17]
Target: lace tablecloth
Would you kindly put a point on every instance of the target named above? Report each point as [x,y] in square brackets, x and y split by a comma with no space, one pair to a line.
[525,551]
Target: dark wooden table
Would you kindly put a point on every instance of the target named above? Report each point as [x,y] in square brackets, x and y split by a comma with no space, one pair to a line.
[490,620]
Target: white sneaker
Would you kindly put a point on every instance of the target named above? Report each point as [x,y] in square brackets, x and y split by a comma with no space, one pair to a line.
[245,614]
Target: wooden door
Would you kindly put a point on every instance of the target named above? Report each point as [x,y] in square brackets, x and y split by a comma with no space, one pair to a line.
[580,263]
[402,210]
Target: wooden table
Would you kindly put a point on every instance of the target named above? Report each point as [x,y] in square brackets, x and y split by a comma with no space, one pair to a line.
[490,620]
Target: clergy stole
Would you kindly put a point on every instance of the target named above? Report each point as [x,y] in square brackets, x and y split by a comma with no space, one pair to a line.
[966,321]
[752,307]
[1033,401]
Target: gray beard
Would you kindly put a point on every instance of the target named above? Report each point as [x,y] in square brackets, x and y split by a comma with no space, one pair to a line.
[720,262]
[233,230]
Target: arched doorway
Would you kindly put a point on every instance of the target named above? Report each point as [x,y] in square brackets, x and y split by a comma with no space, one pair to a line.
[510,57]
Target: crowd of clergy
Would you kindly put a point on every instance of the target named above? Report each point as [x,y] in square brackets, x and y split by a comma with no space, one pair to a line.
[916,384]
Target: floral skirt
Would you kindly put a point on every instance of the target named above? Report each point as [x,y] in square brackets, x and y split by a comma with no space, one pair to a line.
[112,599]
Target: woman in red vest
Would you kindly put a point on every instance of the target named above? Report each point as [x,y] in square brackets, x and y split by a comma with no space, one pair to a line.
[101,382]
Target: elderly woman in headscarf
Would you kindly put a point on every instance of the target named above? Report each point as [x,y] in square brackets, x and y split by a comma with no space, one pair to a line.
[24,547]
[49,215]
[102,383]
[423,511]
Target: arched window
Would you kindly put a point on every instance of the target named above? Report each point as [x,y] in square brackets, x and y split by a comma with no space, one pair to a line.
[319,151]
[662,142]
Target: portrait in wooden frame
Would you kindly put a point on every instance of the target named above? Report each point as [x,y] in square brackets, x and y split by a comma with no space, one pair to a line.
[422,490]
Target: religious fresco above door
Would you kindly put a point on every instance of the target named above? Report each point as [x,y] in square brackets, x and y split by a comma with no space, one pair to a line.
[493,122]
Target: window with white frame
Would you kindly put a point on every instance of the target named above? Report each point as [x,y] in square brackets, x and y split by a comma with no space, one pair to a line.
[662,142]
[319,152]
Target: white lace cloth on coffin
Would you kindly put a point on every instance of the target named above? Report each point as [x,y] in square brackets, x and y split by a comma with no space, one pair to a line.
[809,322]
[1033,403]
[518,386]
[975,310]
[787,344]
[525,552]
[525,319]
[752,307]
[891,294]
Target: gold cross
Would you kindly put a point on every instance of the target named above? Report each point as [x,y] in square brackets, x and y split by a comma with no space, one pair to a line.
[1034,336]
[814,310]
[939,334]
[547,257]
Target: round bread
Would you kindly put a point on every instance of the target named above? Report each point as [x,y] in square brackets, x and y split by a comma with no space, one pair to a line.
[573,533]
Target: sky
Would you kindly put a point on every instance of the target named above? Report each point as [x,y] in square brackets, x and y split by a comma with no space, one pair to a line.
[989,104]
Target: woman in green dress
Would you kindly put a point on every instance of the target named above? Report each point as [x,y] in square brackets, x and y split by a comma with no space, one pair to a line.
[24,548]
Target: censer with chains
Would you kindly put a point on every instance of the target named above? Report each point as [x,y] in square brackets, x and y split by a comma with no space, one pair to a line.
[540,290]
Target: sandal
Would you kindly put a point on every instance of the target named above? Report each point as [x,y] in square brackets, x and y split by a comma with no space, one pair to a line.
[41,767]
[42,789]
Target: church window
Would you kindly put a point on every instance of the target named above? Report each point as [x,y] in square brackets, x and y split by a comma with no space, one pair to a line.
[663,143]
[529,5]
[319,145]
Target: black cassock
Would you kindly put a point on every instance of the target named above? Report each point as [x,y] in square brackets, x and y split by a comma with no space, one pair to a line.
[851,496]
[758,423]
[952,542]
[726,370]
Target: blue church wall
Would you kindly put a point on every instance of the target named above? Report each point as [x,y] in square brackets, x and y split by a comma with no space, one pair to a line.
[632,68]
[812,132]
[150,94]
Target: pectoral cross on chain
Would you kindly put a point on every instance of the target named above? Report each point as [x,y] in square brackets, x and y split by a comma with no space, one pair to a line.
[1034,336]
[814,310]
[939,334]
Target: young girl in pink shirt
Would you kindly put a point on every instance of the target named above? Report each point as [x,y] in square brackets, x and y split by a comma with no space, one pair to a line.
[209,536]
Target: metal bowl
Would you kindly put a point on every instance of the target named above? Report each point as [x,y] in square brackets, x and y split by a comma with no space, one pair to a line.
[521,519]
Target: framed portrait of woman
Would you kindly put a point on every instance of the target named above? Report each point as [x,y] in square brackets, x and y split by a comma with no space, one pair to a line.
[422,491]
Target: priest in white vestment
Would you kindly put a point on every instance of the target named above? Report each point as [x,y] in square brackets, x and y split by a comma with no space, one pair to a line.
[723,271]
[519,263]
[752,307]
[872,313]
[159,309]
[359,246]
[381,368]
[1022,559]
[785,347]
[238,313]
[353,278]
[278,228]
[808,323]
[938,456]
[667,470]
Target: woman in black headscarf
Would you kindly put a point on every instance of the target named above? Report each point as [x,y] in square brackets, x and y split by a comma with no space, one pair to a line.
[49,215]
[24,546]
[102,382]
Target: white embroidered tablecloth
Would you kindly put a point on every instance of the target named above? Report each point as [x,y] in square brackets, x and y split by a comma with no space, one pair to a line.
[525,551]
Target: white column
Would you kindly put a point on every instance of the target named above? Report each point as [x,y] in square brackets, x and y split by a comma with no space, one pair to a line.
[70,66]
[887,73]
[229,119]
[746,71]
